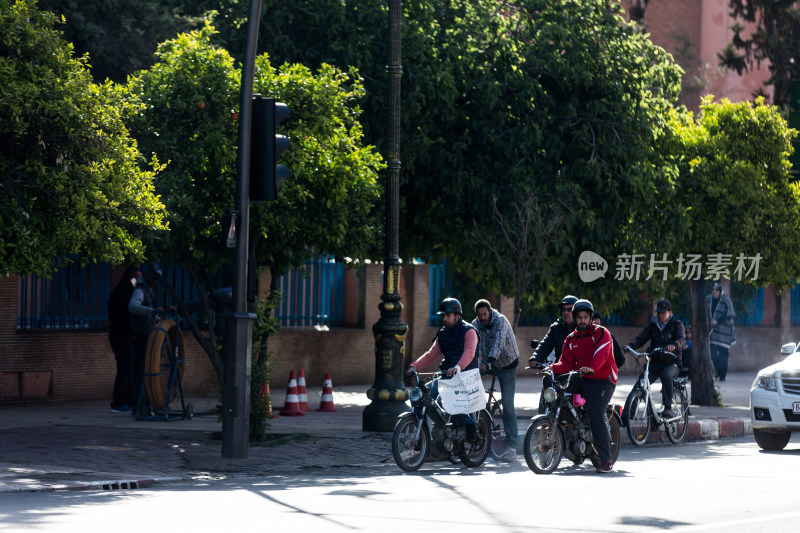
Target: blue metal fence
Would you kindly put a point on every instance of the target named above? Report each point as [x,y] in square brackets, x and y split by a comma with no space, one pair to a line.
[755,310]
[74,298]
[313,295]
[442,285]
[795,305]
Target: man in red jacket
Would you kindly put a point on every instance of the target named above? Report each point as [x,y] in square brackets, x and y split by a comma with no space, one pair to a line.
[588,350]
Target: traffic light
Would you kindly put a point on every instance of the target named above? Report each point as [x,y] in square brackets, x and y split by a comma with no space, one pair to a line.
[266,176]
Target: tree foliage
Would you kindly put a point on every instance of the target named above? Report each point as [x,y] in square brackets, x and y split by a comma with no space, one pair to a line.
[72,179]
[736,199]
[776,40]
[189,118]
[121,36]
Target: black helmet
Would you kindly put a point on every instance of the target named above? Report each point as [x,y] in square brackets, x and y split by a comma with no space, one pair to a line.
[584,305]
[449,305]
[568,300]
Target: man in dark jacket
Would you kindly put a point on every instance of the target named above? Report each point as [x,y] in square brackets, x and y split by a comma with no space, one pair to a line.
[664,331]
[120,336]
[554,340]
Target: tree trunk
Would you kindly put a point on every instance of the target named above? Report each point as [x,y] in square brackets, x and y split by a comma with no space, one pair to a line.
[702,369]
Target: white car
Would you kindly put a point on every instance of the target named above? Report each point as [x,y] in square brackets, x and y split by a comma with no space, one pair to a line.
[775,401]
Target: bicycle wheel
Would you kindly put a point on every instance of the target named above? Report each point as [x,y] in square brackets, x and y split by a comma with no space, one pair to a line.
[542,446]
[409,452]
[676,431]
[637,421]
[498,431]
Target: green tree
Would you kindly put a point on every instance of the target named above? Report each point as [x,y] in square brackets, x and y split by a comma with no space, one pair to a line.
[72,180]
[121,36]
[776,40]
[190,117]
[736,199]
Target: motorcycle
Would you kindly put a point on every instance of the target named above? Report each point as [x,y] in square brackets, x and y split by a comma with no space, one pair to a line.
[428,433]
[563,430]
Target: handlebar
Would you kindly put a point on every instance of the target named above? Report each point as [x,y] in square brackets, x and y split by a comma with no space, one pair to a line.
[646,354]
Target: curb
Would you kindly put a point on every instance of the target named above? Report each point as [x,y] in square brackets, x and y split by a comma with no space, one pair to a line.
[705,429]
[120,484]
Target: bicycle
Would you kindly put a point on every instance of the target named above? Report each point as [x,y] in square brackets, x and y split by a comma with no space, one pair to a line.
[494,407]
[640,414]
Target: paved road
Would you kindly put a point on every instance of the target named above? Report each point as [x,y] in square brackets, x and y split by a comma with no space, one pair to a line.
[76,446]
[727,486]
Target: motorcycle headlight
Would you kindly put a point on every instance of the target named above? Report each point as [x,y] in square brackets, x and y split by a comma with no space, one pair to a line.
[549,395]
[766,382]
[415,394]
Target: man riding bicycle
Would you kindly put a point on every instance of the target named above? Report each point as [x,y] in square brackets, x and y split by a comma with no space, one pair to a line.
[666,332]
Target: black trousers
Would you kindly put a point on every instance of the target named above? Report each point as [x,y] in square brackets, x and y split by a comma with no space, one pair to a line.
[665,372]
[598,393]
[122,346]
[139,354]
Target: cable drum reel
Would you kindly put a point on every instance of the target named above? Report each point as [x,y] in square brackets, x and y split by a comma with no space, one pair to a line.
[162,361]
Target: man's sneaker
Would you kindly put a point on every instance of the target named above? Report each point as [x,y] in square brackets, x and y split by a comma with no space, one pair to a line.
[510,456]
[604,468]
[669,412]
[121,409]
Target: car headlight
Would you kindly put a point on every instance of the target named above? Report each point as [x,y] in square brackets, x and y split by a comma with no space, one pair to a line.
[549,395]
[766,382]
[415,394]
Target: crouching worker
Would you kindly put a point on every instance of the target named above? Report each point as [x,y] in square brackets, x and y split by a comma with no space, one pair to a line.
[456,342]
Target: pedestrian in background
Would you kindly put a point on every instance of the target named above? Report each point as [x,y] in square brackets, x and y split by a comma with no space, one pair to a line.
[120,336]
[498,350]
[722,323]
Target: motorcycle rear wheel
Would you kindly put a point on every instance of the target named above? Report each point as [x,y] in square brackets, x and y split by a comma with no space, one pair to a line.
[475,453]
[615,444]
[409,453]
[543,446]
[637,418]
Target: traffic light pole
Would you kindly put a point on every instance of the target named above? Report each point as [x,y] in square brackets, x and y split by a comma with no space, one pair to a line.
[388,394]
[239,344]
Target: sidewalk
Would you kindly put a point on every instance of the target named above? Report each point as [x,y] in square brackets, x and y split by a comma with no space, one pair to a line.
[83,446]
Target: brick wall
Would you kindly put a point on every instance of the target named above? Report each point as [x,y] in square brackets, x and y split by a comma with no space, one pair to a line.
[75,365]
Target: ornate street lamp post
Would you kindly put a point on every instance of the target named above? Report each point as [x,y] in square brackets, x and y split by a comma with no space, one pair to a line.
[388,393]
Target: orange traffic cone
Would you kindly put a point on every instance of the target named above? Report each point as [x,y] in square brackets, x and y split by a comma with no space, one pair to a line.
[302,394]
[291,407]
[265,392]
[326,402]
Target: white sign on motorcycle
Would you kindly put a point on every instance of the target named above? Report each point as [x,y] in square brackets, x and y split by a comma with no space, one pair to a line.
[463,393]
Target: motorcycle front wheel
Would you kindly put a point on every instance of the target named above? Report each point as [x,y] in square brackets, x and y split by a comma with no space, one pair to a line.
[637,419]
[475,453]
[543,446]
[408,451]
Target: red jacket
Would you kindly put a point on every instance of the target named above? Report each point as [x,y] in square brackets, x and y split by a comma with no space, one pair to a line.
[592,348]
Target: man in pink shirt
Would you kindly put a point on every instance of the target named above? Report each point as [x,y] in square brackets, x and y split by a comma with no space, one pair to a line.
[456,343]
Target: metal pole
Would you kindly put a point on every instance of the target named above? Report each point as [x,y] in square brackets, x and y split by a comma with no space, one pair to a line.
[239,344]
[388,394]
